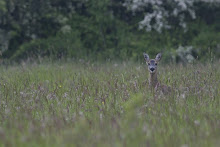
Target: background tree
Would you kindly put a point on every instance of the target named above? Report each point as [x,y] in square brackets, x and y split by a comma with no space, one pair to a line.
[109,29]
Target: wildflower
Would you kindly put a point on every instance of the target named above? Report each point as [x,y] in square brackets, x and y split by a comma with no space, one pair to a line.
[60,86]
[196,122]
[103,103]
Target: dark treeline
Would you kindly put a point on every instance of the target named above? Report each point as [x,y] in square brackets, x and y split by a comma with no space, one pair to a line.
[110,29]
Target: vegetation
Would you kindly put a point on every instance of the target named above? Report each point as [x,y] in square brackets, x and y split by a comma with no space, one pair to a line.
[108,104]
[109,29]
[80,81]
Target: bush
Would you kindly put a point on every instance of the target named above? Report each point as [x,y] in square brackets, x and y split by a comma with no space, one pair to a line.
[63,45]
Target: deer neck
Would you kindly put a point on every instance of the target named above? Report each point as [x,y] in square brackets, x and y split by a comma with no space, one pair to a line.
[153,80]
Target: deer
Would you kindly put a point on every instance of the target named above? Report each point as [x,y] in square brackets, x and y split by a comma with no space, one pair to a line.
[154,84]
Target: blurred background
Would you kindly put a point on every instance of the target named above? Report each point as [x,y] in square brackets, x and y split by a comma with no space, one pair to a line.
[100,30]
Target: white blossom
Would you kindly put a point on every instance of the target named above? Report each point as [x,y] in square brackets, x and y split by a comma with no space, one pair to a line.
[157,13]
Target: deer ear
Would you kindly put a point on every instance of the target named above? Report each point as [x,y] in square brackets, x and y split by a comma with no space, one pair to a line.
[158,57]
[146,57]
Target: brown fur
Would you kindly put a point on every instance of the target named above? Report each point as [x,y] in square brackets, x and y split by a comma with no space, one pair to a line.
[157,86]
[153,81]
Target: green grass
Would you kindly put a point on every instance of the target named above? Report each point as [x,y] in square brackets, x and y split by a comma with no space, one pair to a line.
[82,104]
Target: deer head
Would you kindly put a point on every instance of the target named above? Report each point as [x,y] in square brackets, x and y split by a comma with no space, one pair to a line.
[152,63]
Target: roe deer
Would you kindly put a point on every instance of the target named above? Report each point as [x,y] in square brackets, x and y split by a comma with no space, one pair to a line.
[152,68]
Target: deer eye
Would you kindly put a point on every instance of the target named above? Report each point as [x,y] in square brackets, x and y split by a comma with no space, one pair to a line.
[155,63]
[148,63]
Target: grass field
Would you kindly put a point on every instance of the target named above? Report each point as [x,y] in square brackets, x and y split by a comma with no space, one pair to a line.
[79,104]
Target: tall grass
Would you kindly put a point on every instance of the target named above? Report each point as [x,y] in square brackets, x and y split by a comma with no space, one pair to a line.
[81,104]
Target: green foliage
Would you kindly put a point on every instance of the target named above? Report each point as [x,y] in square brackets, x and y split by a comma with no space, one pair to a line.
[207,42]
[72,104]
[67,45]
[133,103]
[101,30]
[2,6]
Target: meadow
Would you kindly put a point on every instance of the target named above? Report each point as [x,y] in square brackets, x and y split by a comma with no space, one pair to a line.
[108,104]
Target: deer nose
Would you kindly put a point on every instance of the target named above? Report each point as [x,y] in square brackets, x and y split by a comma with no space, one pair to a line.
[152,69]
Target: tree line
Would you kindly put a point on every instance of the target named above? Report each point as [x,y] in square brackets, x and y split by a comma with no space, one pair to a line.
[110,29]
